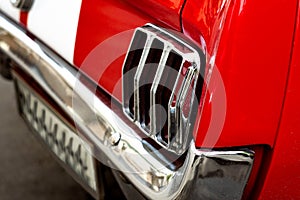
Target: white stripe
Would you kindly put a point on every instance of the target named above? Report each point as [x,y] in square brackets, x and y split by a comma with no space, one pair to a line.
[10,10]
[55,22]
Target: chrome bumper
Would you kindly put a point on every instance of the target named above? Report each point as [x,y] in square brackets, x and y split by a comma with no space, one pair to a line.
[202,173]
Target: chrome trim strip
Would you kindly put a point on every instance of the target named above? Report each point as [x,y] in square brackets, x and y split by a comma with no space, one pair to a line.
[182,122]
[172,111]
[153,90]
[117,141]
[138,74]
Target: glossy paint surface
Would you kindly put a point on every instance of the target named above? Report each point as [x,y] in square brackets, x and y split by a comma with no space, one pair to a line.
[253,60]
[57,30]
[166,11]
[104,33]
[283,179]
[24,18]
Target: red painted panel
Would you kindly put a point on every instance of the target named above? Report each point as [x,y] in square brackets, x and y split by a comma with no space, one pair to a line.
[23,17]
[166,11]
[253,60]
[283,178]
[109,26]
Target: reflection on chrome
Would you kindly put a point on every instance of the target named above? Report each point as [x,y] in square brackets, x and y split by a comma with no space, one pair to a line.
[203,173]
[161,73]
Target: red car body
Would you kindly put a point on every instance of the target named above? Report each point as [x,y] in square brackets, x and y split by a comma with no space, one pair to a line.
[252,51]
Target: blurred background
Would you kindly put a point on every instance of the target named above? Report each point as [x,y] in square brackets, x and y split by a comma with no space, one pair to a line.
[27,170]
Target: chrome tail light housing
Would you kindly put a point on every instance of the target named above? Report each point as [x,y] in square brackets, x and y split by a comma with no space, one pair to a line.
[162,85]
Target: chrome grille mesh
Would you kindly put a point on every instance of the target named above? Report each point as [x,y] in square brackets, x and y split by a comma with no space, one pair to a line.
[160,77]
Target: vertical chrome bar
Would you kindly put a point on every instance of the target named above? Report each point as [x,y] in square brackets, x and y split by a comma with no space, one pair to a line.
[172,127]
[150,38]
[181,120]
[129,68]
[161,67]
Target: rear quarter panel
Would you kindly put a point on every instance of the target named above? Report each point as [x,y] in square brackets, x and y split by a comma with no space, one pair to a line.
[283,179]
[253,61]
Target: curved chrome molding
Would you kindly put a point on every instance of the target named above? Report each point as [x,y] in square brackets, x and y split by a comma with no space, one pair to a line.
[205,174]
